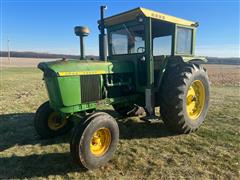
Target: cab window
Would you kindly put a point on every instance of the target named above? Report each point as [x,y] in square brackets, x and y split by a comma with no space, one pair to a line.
[127,40]
[184,40]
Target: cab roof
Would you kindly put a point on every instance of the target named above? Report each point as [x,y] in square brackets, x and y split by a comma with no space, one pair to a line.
[134,13]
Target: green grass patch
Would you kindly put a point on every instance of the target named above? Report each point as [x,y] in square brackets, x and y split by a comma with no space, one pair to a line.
[145,151]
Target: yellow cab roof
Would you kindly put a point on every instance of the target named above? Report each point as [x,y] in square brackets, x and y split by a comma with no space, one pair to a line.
[134,13]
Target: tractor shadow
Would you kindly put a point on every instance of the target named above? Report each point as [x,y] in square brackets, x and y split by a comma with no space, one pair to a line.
[18,130]
[134,128]
[37,165]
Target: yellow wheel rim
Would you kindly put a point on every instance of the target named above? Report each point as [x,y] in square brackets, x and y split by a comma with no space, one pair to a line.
[100,141]
[55,122]
[195,99]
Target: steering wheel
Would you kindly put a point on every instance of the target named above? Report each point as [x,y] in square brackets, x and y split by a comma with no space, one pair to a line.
[139,49]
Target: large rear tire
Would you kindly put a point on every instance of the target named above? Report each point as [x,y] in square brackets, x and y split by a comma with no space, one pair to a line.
[94,140]
[184,97]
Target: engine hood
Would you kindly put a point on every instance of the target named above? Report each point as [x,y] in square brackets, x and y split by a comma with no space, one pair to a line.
[84,67]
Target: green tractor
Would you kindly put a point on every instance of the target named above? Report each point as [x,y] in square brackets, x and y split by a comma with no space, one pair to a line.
[146,60]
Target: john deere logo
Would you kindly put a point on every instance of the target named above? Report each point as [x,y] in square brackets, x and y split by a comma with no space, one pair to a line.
[81,73]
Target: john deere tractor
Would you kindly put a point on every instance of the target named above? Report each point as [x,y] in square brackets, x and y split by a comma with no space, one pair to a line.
[146,60]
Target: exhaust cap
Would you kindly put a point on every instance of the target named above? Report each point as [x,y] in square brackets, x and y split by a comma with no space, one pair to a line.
[81,31]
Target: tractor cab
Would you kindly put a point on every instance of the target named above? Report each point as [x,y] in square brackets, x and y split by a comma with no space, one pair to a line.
[140,30]
[149,39]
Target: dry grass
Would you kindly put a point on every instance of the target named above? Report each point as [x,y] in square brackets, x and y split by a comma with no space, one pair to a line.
[21,62]
[145,151]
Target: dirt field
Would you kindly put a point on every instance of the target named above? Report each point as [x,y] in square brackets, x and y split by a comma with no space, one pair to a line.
[223,74]
[145,151]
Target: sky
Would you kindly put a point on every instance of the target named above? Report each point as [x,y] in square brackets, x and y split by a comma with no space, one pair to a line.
[47,26]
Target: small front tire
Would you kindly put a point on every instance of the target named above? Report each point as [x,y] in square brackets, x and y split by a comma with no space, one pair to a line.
[48,123]
[94,140]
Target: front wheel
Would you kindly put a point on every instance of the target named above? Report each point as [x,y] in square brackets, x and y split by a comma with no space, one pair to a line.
[48,123]
[184,97]
[94,140]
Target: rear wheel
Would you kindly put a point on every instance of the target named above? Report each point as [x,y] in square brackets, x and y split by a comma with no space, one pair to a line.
[184,97]
[48,123]
[94,140]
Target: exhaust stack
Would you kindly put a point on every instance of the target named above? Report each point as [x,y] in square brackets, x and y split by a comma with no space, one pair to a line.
[81,31]
[102,36]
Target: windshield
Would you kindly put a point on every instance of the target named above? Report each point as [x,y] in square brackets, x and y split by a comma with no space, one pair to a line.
[127,40]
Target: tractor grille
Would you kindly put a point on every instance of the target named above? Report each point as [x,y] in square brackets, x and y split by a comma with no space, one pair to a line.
[90,88]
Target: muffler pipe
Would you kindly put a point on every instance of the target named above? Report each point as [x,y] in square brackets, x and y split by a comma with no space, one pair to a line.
[102,36]
[81,31]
